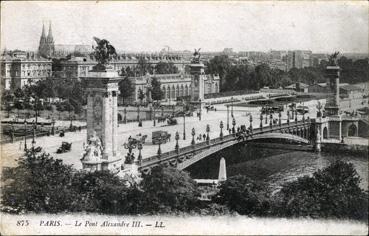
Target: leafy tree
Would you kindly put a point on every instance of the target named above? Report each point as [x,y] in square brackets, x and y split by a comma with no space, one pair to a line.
[125,88]
[143,66]
[243,195]
[331,192]
[219,65]
[18,93]
[168,190]
[166,68]
[156,92]
[99,191]
[38,183]
[8,100]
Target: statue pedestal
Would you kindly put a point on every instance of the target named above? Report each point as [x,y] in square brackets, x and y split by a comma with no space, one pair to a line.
[102,114]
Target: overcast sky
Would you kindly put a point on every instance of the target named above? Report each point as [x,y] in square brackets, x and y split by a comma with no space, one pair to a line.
[149,26]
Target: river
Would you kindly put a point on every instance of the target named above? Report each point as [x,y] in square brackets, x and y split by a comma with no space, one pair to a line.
[274,166]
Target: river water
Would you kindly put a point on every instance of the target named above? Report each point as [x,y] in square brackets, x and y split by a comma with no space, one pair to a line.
[274,166]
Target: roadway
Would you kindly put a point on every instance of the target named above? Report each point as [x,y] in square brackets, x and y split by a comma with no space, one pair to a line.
[12,151]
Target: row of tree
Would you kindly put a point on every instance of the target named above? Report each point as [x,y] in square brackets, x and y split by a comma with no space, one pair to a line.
[235,76]
[40,183]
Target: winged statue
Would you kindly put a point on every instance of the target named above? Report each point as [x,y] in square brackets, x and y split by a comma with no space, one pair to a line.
[104,51]
[196,56]
[333,59]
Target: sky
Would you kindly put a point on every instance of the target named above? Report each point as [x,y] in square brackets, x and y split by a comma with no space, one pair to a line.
[150,26]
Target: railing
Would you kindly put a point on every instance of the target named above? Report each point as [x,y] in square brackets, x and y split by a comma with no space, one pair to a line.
[213,142]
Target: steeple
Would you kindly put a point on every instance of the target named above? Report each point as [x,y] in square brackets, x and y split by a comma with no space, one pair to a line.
[50,38]
[43,36]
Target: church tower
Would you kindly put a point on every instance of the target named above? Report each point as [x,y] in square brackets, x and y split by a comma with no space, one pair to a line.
[46,47]
[50,42]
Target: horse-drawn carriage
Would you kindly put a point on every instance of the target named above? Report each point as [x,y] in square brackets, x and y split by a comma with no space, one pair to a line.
[65,147]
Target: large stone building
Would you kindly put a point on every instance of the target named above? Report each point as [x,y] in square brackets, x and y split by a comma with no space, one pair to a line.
[19,68]
[298,59]
[173,85]
[77,67]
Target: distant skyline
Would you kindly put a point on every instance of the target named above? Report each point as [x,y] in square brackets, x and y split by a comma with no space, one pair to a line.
[212,26]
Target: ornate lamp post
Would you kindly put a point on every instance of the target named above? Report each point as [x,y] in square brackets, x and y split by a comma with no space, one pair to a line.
[193,136]
[177,138]
[153,109]
[184,126]
[34,134]
[25,135]
[159,149]
[162,111]
[271,120]
[130,146]
[200,110]
[232,106]
[250,123]
[125,116]
[53,126]
[288,117]
[303,116]
[233,124]
[261,121]
[266,119]
[221,129]
[280,119]
[295,115]
[207,134]
[227,117]
[139,158]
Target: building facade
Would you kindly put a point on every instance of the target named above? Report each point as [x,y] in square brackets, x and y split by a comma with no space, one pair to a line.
[19,68]
[78,67]
[174,86]
[298,59]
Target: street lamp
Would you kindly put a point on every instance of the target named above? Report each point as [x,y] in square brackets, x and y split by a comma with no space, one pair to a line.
[227,117]
[233,123]
[271,120]
[25,135]
[280,119]
[221,129]
[261,121]
[184,126]
[53,126]
[232,106]
[153,107]
[177,138]
[193,136]
[207,133]
[200,110]
[250,123]
[125,116]
[34,134]
[295,115]
[139,158]
[288,117]
[130,146]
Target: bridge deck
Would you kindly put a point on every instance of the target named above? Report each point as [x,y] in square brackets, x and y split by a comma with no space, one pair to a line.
[214,145]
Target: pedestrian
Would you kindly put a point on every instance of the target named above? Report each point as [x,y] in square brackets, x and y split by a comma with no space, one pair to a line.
[204,136]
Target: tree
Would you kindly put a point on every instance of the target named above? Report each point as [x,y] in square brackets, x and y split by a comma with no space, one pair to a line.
[219,65]
[141,95]
[38,183]
[18,93]
[156,92]
[99,191]
[331,192]
[143,66]
[168,190]
[8,100]
[243,195]
[125,88]
[166,68]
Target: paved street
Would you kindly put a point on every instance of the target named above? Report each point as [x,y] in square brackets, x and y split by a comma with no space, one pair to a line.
[50,144]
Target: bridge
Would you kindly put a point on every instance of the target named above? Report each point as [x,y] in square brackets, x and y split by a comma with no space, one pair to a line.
[300,132]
